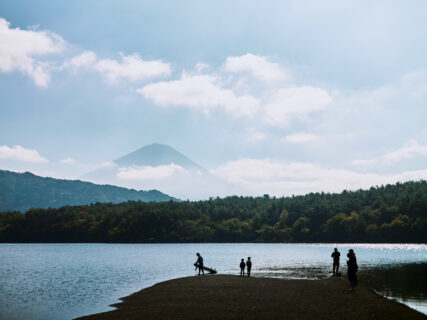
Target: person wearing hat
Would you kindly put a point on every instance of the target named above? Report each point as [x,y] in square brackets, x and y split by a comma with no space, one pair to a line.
[352,269]
[248,266]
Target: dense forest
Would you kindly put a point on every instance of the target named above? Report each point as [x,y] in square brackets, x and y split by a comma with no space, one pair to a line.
[391,213]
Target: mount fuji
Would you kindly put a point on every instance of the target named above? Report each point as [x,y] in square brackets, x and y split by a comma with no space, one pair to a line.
[161,167]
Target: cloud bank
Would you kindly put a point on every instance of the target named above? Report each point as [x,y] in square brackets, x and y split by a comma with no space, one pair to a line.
[149,173]
[276,177]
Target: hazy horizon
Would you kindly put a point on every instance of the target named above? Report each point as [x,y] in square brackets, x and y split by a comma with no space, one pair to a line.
[274,98]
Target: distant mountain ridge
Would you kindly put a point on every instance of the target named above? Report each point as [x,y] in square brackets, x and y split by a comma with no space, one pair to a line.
[23,191]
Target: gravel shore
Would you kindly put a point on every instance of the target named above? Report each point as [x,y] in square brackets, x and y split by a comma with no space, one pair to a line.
[234,297]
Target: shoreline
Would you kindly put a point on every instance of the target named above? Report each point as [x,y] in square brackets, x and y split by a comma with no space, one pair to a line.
[236,297]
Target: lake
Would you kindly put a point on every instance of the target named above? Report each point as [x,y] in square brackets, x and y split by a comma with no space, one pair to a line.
[63,281]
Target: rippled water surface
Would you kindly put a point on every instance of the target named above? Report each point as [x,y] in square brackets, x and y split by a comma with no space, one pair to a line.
[62,281]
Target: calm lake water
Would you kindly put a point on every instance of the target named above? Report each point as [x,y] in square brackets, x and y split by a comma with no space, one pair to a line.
[63,281]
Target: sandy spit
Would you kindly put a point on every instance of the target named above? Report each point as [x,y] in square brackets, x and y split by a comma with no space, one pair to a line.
[234,297]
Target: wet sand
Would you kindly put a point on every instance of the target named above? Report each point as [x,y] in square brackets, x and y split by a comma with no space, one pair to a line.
[234,297]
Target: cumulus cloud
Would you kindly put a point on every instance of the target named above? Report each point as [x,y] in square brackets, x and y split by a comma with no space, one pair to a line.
[301,137]
[205,92]
[411,149]
[68,161]
[149,172]
[258,66]
[18,153]
[199,92]
[85,59]
[132,68]
[294,102]
[21,50]
[275,177]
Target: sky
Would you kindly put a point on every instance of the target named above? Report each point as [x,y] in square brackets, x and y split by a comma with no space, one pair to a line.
[278,97]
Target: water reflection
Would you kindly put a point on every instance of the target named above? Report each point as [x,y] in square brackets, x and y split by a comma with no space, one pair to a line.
[406,283]
[307,273]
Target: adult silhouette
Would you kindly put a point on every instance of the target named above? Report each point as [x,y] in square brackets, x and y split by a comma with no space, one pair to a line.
[336,264]
[352,269]
[199,263]
[248,266]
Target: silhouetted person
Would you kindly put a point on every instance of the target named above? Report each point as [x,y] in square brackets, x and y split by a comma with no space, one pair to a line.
[242,267]
[336,265]
[199,263]
[248,266]
[352,269]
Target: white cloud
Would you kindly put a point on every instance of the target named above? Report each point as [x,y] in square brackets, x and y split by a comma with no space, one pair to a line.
[200,67]
[211,91]
[258,66]
[275,177]
[21,49]
[149,172]
[68,161]
[411,149]
[199,92]
[294,102]
[85,59]
[108,164]
[132,68]
[301,137]
[19,153]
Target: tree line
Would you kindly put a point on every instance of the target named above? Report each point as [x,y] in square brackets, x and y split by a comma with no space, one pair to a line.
[390,213]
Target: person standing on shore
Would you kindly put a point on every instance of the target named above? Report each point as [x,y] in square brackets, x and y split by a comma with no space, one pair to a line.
[336,265]
[248,266]
[199,263]
[242,267]
[352,269]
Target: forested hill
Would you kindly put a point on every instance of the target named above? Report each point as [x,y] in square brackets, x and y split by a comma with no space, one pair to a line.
[392,213]
[22,191]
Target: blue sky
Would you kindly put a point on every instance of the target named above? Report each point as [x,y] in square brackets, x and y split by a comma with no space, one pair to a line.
[276,97]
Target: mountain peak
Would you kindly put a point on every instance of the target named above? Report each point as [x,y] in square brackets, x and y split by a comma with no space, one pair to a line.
[157,154]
